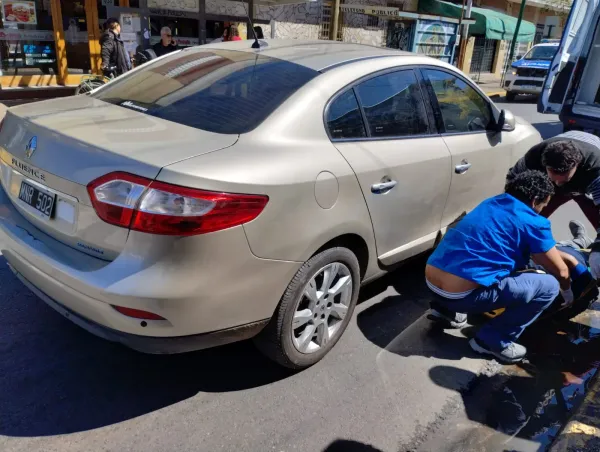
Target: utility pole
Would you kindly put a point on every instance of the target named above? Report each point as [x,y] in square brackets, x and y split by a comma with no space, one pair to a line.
[514,41]
[335,19]
[459,30]
[464,39]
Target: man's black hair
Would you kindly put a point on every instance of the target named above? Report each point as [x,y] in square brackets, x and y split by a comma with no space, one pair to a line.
[530,187]
[561,156]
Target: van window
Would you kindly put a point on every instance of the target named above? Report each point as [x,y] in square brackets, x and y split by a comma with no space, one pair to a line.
[219,91]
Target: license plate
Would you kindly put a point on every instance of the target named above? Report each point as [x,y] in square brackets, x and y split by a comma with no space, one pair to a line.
[40,201]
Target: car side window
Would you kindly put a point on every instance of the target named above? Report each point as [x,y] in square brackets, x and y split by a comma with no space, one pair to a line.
[462,108]
[344,118]
[393,105]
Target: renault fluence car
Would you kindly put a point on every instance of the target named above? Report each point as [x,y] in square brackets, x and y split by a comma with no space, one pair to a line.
[223,192]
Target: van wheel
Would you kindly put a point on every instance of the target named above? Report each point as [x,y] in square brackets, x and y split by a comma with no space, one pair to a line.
[510,96]
[314,310]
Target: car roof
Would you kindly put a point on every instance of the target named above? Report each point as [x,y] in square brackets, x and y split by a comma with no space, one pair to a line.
[316,55]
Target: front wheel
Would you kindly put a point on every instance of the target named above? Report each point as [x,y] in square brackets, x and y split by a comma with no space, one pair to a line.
[88,86]
[510,96]
[314,310]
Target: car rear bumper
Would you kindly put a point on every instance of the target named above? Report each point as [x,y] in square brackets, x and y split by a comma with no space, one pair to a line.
[198,284]
[148,344]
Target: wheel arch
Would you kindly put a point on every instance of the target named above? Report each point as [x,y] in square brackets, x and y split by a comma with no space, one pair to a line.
[354,243]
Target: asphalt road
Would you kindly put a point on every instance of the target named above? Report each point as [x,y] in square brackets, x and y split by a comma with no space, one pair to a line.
[63,390]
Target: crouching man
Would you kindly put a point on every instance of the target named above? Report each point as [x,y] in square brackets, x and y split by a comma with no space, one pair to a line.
[474,269]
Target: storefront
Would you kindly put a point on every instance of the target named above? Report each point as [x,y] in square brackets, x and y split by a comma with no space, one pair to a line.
[55,42]
[431,35]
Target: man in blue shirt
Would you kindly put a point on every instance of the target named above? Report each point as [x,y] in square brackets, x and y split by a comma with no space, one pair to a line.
[474,269]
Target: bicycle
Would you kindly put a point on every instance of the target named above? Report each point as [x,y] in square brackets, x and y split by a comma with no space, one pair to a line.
[91,82]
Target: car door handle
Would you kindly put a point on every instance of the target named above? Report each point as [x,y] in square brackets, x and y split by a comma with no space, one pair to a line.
[383,187]
[462,168]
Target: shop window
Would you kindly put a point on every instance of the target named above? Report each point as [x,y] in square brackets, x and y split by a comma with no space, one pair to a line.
[76,36]
[26,39]
[185,31]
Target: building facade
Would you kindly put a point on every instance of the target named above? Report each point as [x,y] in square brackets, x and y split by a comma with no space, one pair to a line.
[57,42]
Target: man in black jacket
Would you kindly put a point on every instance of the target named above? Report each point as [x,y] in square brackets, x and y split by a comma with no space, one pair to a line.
[114,56]
[572,161]
[167,44]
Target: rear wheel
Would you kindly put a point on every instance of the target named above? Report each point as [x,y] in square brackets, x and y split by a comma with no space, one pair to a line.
[314,310]
[510,96]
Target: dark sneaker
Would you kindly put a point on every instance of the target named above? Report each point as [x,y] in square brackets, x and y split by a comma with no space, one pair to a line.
[444,316]
[513,353]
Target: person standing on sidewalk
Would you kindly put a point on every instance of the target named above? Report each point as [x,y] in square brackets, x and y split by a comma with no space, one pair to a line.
[114,56]
[474,268]
[166,44]
[572,161]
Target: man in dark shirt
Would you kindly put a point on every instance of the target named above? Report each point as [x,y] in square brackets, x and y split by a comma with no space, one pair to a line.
[572,161]
[167,44]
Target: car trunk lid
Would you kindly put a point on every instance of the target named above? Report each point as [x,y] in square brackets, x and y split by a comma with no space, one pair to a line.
[78,140]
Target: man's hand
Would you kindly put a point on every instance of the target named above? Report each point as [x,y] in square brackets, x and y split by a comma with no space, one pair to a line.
[568,297]
[595,264]
[555,265]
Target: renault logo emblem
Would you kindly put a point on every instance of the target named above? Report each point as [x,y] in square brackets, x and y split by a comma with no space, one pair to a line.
[31,147]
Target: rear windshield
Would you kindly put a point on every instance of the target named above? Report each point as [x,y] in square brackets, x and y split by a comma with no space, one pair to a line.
[218,90]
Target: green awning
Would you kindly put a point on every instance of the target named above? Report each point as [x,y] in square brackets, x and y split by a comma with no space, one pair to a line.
[492,24]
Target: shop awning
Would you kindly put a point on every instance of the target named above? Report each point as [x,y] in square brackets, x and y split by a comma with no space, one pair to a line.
[492,24]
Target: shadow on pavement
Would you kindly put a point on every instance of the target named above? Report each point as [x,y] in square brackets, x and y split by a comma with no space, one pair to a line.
[521,99]
[343,445]
[549,129]
[58,379]
[534,399]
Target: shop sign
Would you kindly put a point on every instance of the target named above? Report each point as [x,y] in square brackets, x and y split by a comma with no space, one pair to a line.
[175,5]
[172,13]
[19,12]
[436,39]
[386,11]
[25,35]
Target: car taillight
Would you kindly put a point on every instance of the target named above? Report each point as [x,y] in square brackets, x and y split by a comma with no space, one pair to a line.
[137,313]
[155,207]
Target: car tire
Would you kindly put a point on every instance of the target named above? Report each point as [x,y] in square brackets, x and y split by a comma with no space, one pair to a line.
[510,97]
[282,339]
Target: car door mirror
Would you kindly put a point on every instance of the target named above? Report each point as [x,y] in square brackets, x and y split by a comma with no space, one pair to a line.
[505,122]
[499,126]
[509,121]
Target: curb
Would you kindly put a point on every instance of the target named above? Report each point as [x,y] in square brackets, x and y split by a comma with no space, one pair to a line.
[582,432]
[496,93]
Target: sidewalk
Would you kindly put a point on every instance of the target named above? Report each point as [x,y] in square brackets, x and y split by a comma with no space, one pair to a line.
[489,83]
[582,433]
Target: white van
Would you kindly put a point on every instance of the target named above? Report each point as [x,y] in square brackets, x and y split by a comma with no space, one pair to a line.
[572,88]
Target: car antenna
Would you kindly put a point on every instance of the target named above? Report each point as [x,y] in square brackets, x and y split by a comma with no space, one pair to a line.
[256,43]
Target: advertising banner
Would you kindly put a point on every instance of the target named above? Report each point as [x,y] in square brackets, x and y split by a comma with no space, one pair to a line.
[19,12]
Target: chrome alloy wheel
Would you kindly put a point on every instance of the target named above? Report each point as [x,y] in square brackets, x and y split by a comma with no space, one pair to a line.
[322,308]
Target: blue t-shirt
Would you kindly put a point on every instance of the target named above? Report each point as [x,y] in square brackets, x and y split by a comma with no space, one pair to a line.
[493,241]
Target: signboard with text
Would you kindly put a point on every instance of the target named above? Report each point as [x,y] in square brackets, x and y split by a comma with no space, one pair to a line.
[25,35]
